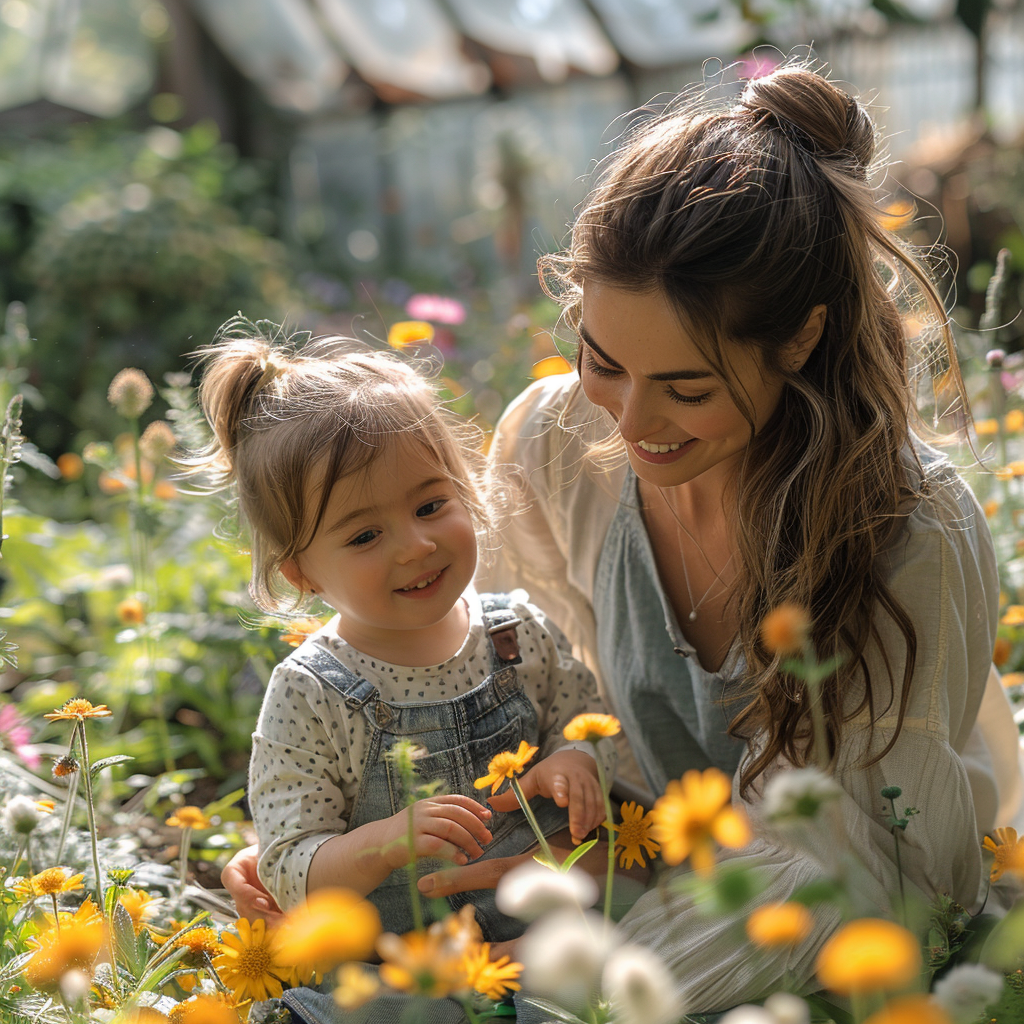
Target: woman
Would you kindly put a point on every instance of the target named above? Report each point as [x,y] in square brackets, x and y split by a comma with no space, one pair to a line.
[739,310]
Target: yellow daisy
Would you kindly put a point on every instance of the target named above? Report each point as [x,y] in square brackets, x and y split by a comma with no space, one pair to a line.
[80,708]
[505,765]
[140,905]
[633,836]
[869,955]
[1008,852]
[779,924]
[355,986]
[54,881]
[249,962]
[332,926]
[491,978]
[211,1008]
[188,817]
[421,963]
[591,727]
[75,944]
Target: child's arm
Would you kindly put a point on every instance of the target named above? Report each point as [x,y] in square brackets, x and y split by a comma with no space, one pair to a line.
[569,777]
[450,827]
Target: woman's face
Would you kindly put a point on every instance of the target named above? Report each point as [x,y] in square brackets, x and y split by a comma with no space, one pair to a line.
[673,411]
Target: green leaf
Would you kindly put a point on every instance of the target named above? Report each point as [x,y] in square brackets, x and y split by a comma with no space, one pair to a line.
[13,967]
[828,1010]
[1004,947]
[822,890]
[125,946]
[576,854]
[218,807]
[97,766]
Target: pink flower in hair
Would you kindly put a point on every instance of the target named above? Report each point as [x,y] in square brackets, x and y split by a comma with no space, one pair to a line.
[757,67]
[437,308]
[15,734]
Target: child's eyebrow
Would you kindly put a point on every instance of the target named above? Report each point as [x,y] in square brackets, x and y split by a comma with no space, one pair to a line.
[358,513]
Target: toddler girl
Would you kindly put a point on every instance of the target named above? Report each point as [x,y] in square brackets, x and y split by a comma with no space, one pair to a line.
[358,486]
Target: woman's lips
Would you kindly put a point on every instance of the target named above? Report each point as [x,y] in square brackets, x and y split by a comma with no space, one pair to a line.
[662,458]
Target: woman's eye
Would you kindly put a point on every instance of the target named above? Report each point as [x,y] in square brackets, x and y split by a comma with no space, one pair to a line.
[431,507]
[593,366]
[364,538]
[687,399]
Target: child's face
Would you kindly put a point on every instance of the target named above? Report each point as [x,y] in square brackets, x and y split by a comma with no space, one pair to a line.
[394,552]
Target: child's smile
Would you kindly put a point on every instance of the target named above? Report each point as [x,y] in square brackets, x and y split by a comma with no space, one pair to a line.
[393,555]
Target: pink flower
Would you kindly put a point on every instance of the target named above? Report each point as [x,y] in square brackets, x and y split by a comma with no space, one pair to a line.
[438,308]
[757,67]
[15,734]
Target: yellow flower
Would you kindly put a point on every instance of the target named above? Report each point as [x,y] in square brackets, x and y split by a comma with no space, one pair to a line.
[1011,679]
[188,817]
[86,912]
[54,881]
[591,727]
[505,765]
[74,945]
[249,963]
[1007,850]
[868,955]
[1001,651]
[332,926]
[422,963]
[1014,421]
[779,924]
[491,978]
[1013,616]
[70,466]
[990,508]
[215,1008]
[141,1015]
[355,986]
[299,629]
[165,490]
[199,942]
[410,332]
[695,811]
[784,630]
[916,1009]
[897,214]
[986,428]
[131,611]
[634,835]
[140,906]
[80,708]
[46,805]
[552,366]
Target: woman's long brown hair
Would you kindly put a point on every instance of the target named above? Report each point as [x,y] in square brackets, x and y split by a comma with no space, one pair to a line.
[748,216]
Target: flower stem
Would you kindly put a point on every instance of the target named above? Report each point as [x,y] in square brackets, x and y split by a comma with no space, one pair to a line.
[22,846]
[899,862]
[812,678]
[414,892]
[610,878]
[528,811]
[186,842]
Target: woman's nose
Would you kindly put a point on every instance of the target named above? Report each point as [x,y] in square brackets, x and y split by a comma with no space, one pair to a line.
[635,421]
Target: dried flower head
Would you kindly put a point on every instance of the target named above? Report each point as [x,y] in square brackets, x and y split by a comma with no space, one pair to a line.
[795,794]
[65,765]
[157,441]
[130,393]
[639,987]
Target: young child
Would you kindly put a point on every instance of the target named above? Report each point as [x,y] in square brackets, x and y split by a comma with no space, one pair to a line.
[359,488]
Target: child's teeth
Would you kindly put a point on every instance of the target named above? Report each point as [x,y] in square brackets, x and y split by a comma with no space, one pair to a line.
[425,583]
[658,449]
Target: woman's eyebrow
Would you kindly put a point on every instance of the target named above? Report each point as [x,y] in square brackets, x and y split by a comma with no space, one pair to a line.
[667,375]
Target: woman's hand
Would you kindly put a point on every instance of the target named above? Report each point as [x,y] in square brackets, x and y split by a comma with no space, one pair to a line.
[251,898]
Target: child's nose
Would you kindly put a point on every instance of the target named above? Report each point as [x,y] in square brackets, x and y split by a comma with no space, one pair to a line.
[415,543]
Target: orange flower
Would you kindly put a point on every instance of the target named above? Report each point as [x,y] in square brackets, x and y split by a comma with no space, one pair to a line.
[1013,616]
[552,366]
[779,924]
[990,508]
[505,765]
[131,611]
[356,986]
[299,629]
[250,963]
[869,955]
[591,727]
[784,630]
[491,978]
[693,814]
[199,942]
[986,428]
[897,214]
[1001,651]
[916,1009]
[54,881]
[188,817]
[634,835]
[141,906]
[422,963]
[1014,421]
[75,945]
[410,332]
[332,926]
[110,484]
[214,1008]
[165,490]
[70,465]
[1008,852]
[1012,679]
[80,708]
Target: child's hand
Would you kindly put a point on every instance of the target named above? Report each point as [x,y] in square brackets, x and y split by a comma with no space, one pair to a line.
[450,827]
[569,777]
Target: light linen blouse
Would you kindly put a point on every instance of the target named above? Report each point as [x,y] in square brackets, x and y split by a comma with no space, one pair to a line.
[957,758]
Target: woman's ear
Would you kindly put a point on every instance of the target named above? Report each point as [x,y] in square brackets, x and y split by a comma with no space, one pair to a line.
[293,574]
[799,350]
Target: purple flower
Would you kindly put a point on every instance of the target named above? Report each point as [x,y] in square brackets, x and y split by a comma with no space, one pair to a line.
[15,734]
[438,308]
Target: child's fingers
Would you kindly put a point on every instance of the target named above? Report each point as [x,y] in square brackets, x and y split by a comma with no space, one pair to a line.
[560,789]
[452,821]
[483,813]
[441,836]
[586,807]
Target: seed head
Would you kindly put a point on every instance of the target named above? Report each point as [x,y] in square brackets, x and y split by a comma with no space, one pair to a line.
[130,393]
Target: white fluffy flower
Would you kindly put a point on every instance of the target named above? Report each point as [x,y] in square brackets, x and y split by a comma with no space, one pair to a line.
[639,987]
[563,955]
[795,794]
[530,890]
[21,814]
[966,990]
[748,1014]
[786,1008]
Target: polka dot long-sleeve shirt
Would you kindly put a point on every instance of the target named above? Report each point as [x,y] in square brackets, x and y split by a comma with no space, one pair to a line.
[309,747]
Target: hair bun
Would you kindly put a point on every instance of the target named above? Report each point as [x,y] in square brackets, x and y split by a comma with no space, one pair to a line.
[827,120]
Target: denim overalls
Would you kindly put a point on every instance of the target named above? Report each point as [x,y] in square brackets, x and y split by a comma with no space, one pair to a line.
[460,736]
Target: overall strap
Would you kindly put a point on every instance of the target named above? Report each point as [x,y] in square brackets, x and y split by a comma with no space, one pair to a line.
[500,623]
[356,691]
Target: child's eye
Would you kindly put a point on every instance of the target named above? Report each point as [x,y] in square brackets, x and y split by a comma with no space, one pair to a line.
[431,507]
[364,538]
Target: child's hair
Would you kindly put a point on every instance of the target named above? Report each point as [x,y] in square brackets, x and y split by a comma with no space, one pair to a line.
[747,216]
[290,419]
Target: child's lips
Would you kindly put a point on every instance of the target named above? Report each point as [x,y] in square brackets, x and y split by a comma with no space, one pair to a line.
[422,583]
